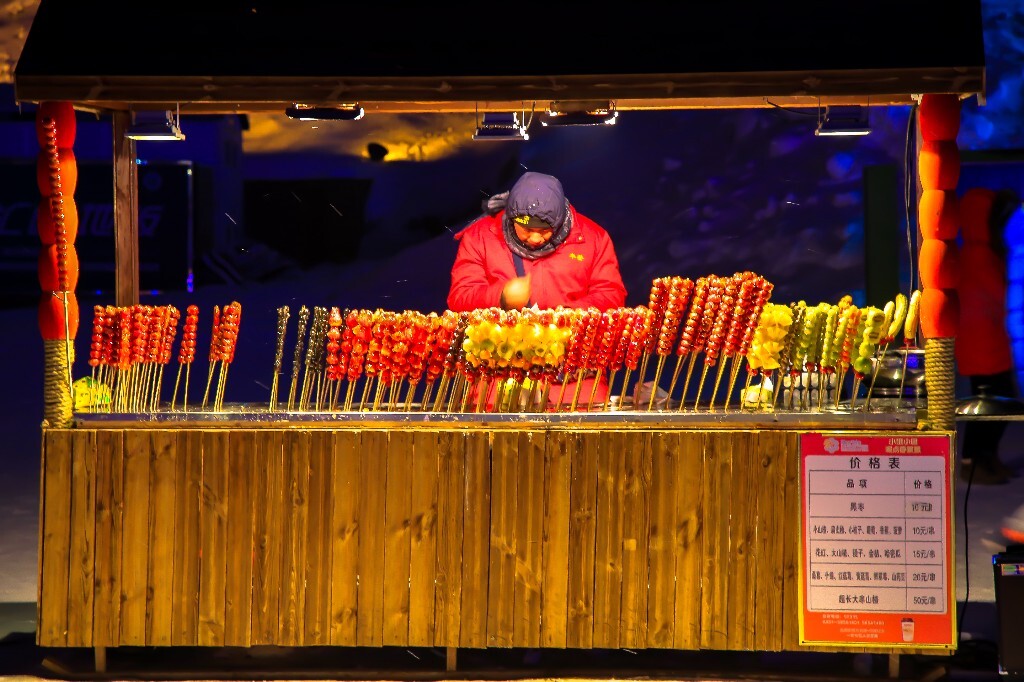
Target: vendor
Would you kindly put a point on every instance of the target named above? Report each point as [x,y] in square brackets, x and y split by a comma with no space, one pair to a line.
[538,251]
[533,249]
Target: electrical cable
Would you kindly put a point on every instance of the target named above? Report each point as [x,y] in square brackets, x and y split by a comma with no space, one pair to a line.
[792,111]
[908,190]
[967,560]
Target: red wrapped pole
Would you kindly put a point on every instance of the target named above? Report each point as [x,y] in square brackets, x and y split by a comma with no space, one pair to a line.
[57,177]
[938,257]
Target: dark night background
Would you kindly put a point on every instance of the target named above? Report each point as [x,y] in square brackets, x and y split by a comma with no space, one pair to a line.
[282,212]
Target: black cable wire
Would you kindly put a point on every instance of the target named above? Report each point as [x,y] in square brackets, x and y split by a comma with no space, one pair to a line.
[792,111]
[908,190]
[967,559]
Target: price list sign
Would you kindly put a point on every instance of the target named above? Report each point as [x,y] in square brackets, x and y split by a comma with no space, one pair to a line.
[877,540]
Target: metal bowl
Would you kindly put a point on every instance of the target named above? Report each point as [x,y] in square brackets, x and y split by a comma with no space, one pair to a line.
[984,404]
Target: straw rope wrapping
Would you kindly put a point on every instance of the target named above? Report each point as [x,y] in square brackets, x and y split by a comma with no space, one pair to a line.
[939,380]
[58,402]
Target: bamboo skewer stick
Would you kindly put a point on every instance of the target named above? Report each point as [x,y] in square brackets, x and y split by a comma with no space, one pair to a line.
[734,372]
[209,380]
[350,391]
[579,387]
[853,396]
[561,395]
[593,391]
[686,382]
[456,389]
[766,375]
[625,386]
[641,373]
[874,375]
[366,392]
[675,377]
[700,386]
[840,382]
[611,382]
[657,378]
[718,380]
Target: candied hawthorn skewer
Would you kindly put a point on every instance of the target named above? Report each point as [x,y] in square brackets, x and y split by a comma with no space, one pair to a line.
[283,313]
[642,324]
[607,335]
[96,345]
[716,290]
[230,321]
[214,352]
[679,293]
[740,327]
[715,346]
[656,301]
[186,352]
[335,371]
[688,335]
[300,340]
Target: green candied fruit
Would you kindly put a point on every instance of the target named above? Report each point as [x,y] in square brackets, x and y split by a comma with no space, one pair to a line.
[862,365]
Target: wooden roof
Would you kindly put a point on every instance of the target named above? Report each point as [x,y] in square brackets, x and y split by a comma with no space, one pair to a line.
[226,56]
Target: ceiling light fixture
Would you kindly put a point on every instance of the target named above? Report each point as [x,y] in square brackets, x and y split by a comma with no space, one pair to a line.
[501,126]
[326,112]
[580,114]
[843,121]
[155,125]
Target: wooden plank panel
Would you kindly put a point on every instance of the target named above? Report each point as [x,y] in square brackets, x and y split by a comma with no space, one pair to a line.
[213,538]
[661,595]
[293,537]
[608,552]
[791,540]
[188,503]
[269,507]
[558,452]
[743,560]
[346,493]
[397,511]
[476,540]
[451,481]
[502,556]
[134,559]
[160,593]
[582,541]
[239,522]
[770,530]
[373,466]
[83,537]
[689,537]
[715,577]
[55,537]
[529,540]
[637,448]
[109,504]
[423,540]
[318,547]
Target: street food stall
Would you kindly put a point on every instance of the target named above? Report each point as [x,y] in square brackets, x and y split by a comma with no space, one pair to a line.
[392,502]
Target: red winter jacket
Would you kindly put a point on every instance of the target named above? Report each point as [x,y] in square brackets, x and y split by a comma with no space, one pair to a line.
[582,272]
[982,342]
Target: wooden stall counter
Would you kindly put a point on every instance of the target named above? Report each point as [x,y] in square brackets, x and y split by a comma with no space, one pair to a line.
[651,532]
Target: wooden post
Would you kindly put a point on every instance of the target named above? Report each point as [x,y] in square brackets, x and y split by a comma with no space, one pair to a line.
[126,213]
[100,653]
[451,655]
